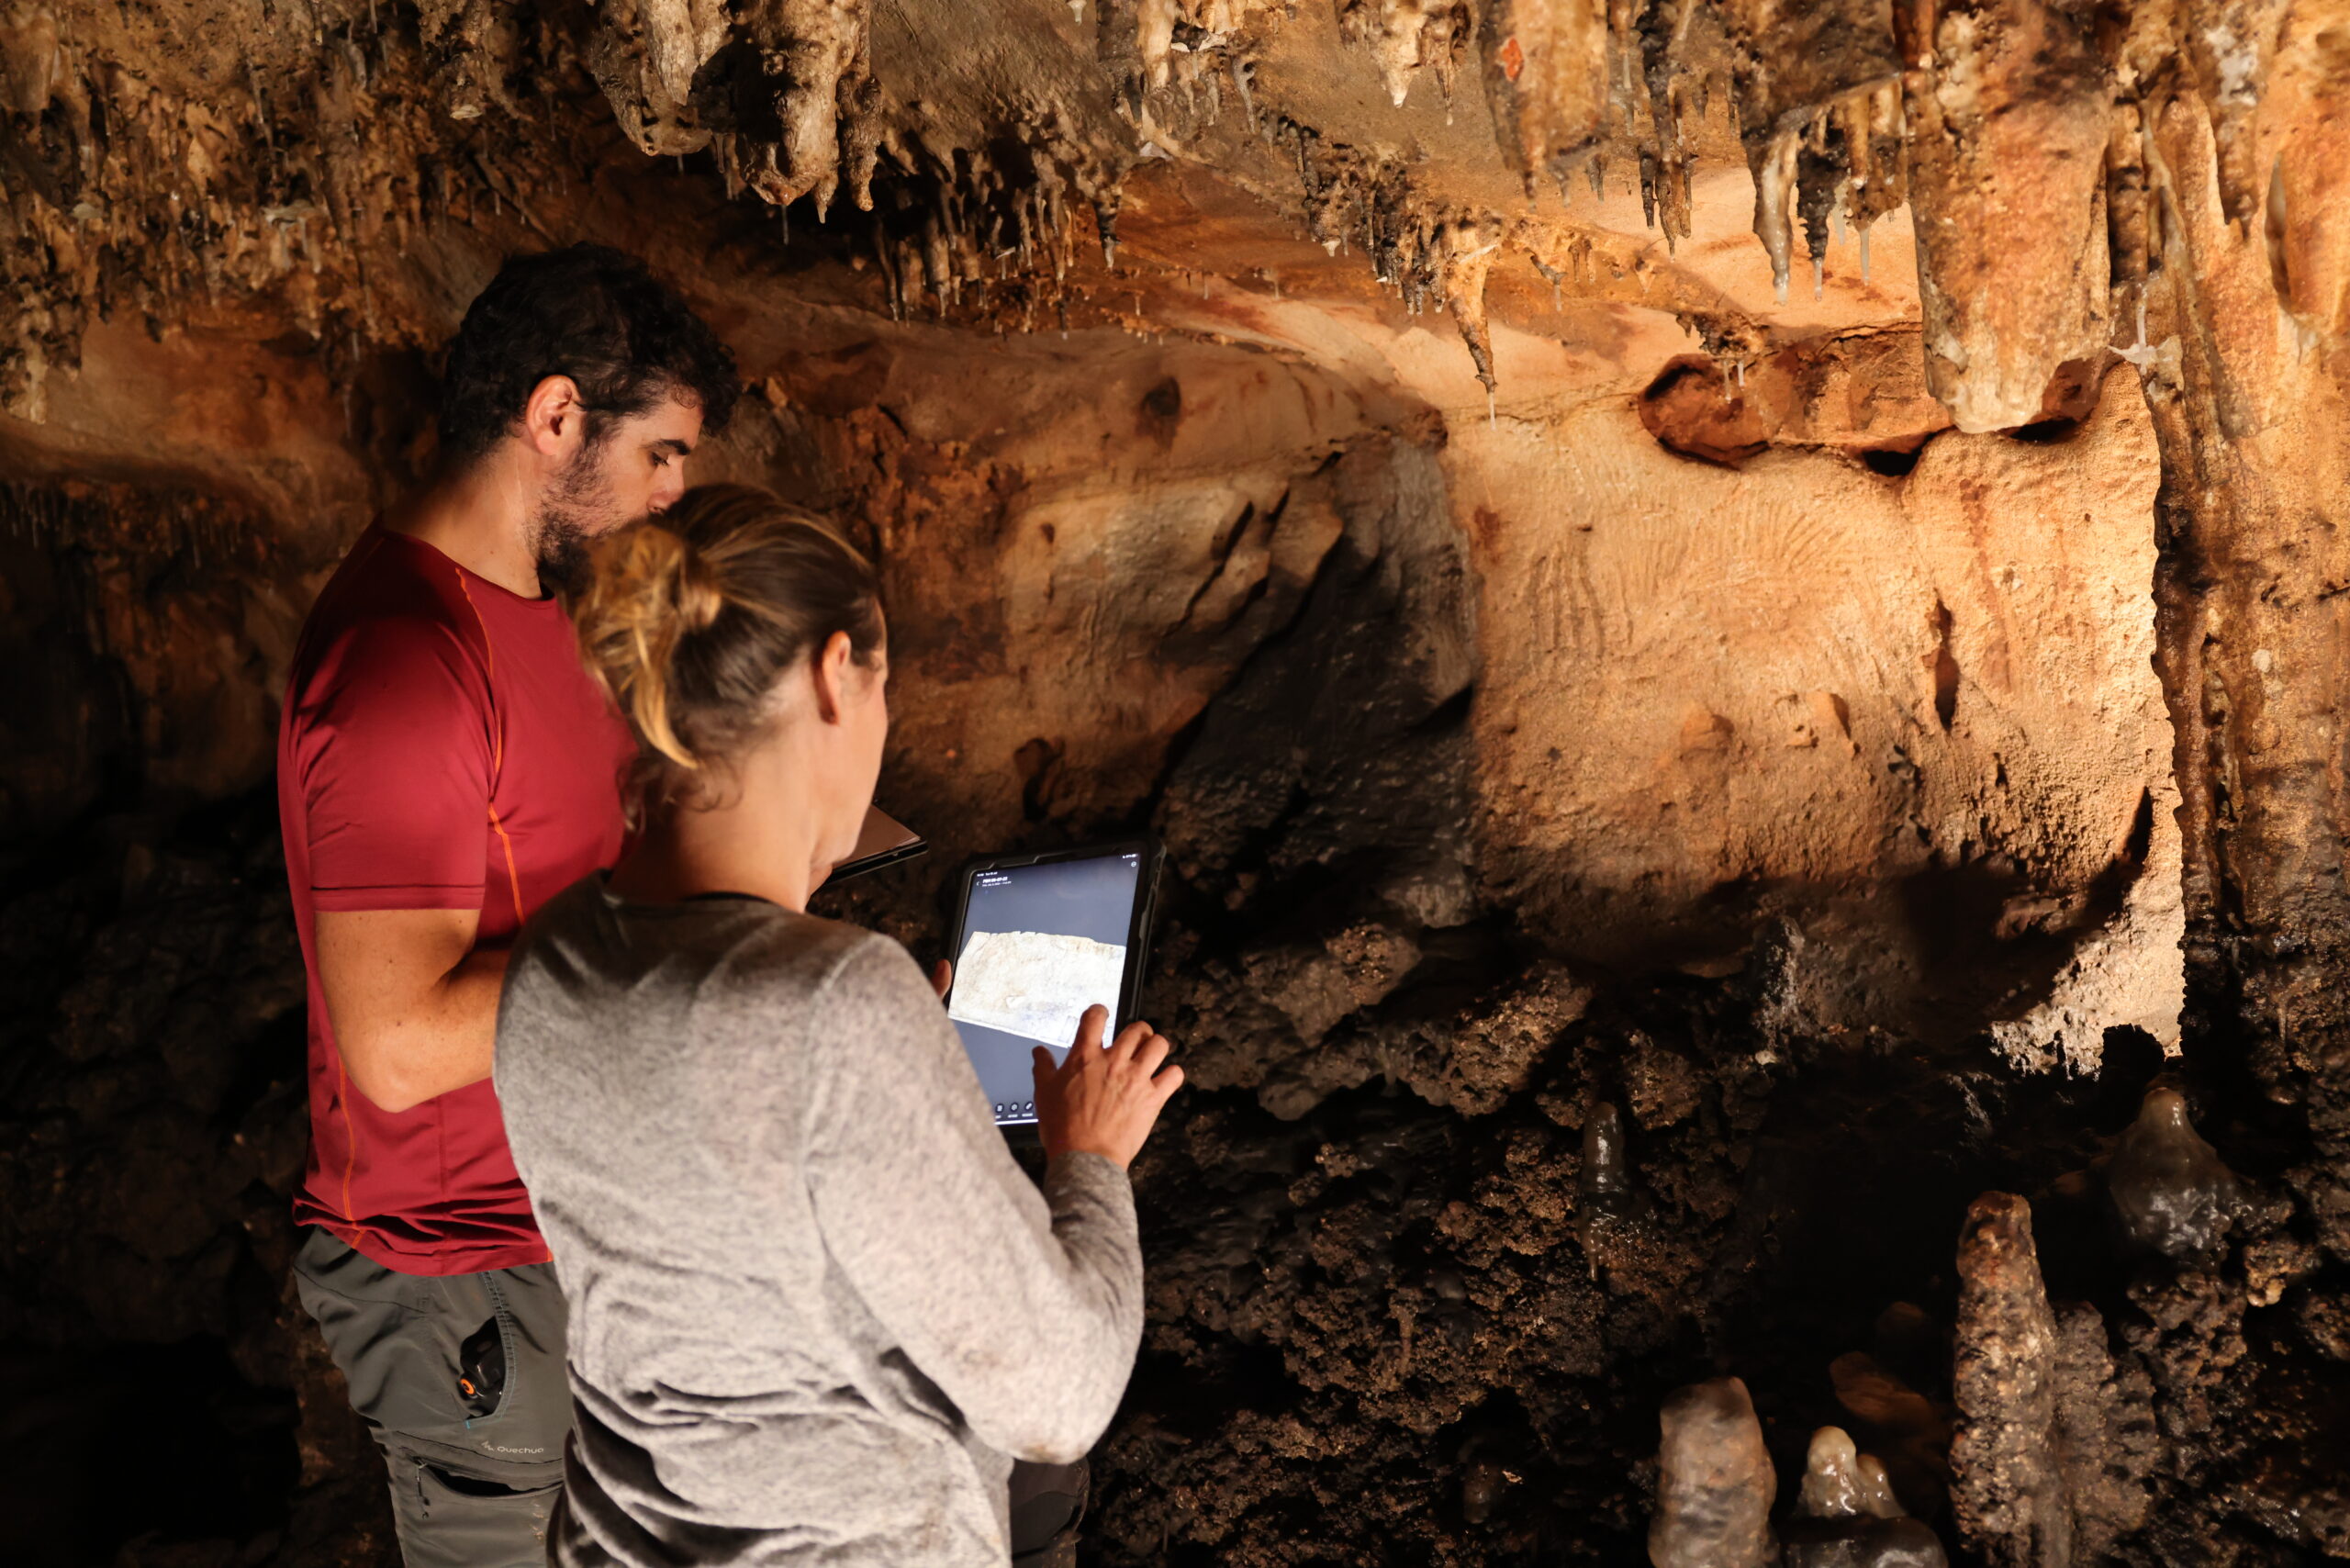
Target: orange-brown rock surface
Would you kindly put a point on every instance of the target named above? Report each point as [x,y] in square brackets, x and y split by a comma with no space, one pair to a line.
[1772,564]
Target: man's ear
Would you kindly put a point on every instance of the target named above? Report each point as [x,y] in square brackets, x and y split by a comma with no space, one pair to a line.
[832,676]
[553,418]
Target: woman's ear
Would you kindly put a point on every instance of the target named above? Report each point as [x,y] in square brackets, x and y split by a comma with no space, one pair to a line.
[831,672]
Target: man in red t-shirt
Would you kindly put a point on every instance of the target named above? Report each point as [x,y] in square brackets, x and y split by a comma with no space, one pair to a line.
[445,765]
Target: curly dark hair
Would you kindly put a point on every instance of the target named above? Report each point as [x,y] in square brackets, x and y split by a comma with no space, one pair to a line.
[589,312]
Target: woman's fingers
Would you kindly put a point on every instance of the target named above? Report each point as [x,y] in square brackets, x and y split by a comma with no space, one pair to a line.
[1096,1018]
[942,978]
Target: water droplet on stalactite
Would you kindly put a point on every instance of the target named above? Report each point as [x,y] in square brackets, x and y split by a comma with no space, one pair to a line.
[1492,415]
[1818,278]
[1556,303]
[1865,252]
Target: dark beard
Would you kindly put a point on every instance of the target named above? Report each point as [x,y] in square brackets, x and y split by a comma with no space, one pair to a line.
[561,539]
[564,554]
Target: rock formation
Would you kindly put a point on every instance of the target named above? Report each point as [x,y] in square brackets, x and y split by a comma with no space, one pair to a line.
[1848,1518]
[1729,610]
[2169,1187]
[1715,1485]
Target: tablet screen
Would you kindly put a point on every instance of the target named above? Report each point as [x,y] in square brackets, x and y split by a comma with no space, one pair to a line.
[1040,944]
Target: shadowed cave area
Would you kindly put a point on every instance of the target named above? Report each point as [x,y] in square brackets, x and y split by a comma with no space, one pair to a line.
[1729,613]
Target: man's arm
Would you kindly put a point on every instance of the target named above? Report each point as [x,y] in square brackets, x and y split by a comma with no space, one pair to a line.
[396,764]
[413,1001]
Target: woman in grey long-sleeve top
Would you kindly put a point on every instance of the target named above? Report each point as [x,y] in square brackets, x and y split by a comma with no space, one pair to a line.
[817,1310]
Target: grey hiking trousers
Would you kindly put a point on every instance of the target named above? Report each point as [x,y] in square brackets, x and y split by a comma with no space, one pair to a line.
[477,1490]
[475,1470]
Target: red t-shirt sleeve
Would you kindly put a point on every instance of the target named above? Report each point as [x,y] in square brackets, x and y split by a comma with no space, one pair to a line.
[397,757]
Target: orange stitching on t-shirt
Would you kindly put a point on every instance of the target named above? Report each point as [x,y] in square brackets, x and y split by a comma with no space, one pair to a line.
[513,880]
[351,1138]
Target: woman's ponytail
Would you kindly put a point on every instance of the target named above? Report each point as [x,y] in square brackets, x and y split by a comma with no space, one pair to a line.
[689,619]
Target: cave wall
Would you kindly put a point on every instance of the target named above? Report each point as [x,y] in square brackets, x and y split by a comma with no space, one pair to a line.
[1771,576]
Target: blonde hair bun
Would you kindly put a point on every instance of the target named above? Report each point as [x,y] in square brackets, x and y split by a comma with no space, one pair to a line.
[690,618]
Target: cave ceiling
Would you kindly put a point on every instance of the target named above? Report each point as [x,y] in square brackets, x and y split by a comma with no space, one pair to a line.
[1750,172]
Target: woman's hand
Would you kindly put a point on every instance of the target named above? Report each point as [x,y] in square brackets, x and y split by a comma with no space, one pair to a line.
[1101,1100]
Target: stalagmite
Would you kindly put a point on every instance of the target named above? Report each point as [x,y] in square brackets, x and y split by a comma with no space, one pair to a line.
[1847,1518]
[2172,1192]
[2009,1495]
[1878,1498]
[1832,1479]
[1714,1484]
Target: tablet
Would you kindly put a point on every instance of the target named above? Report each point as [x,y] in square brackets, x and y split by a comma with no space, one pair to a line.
[1038,940]
[881,841]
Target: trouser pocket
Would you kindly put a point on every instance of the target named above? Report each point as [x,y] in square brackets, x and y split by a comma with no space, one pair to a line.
[512,1358]
[448,1520]
[464,1371]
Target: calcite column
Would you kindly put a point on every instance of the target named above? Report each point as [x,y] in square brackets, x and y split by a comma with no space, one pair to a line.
[2248,375]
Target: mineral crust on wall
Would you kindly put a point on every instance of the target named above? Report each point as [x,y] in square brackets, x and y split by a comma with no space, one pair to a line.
[1730,612]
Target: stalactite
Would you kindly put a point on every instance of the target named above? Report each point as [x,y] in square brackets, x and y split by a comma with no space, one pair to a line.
[1467,259]
[1774,192]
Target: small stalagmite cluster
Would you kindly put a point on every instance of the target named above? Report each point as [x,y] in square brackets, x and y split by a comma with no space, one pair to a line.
[2058,1441]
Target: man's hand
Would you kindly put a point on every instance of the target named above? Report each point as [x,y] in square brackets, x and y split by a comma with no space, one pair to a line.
[942,978]
[412,1002]
[1102,1101]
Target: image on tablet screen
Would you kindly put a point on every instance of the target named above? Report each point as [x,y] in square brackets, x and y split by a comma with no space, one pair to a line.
[1041,945]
